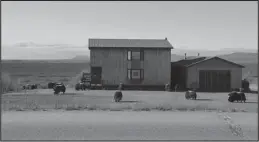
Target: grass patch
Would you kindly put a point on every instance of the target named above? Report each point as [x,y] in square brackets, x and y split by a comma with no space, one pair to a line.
[124,107]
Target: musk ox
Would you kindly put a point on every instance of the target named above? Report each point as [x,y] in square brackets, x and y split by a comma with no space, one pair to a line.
[25,86]
[30,86]
[34,86]
[51,85]
[78,86]
[236,96]
[117,96]
[59,87]
[190,94]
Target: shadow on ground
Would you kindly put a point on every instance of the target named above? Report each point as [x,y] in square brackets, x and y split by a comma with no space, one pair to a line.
[130,101]
[204,99]
[251,102]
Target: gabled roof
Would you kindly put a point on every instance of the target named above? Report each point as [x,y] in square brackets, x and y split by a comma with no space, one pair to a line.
[188,61]
[129,43]
[191,62]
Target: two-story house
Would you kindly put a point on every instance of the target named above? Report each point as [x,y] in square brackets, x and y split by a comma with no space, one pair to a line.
[141,63]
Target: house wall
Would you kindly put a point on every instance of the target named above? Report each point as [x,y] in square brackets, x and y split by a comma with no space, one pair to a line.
[214,64]
[157,65]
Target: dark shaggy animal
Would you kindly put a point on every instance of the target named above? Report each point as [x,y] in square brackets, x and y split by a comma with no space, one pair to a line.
[59,88]
[34,86]
[78,86]
[236,96]
[24,87]
[30,86]
[51,85]
[117,96]
[190,95]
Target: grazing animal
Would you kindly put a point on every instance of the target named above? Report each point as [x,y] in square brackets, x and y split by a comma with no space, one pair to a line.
[190,94]
[78,86]
[236,96]
[51,85]
[34,86]
[24,87]
[30,86]
[59,87]
[117,96]
[27,86]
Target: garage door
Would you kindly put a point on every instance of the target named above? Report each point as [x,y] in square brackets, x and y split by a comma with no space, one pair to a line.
[215,80]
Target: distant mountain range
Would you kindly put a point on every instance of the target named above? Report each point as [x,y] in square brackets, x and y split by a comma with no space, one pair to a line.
[237,57]
[81,58]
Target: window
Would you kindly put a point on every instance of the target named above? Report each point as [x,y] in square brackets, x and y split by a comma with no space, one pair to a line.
[129,55]
[136,55]
[135,74]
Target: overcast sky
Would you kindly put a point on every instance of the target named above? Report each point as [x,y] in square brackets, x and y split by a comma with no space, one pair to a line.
[65,27]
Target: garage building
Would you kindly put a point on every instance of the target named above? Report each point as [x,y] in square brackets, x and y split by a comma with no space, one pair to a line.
[210,74]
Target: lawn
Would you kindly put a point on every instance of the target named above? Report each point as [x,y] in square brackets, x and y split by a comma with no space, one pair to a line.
[132,100]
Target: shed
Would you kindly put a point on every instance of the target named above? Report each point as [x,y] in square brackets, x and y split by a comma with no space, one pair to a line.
[210,74]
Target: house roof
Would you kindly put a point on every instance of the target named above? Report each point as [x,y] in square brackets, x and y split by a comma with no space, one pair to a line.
[190,62]
[129,43]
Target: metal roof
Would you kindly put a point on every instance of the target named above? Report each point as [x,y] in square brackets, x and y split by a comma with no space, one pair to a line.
[129,43]
[198,60]
[188,61]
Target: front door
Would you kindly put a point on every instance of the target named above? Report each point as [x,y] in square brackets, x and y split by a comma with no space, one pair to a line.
[96,73]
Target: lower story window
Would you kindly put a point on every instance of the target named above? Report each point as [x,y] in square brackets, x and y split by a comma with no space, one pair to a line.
[135,74]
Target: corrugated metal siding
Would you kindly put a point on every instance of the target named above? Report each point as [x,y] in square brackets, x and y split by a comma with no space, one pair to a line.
[129,43]
[113,63]
[193,72]
[156,64]
[135,64]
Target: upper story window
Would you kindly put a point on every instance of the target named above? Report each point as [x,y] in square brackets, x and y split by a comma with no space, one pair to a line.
[136,55]
[129,55]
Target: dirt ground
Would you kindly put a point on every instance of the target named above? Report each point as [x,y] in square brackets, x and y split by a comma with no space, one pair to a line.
[179,124]
[122,125]
[44,98]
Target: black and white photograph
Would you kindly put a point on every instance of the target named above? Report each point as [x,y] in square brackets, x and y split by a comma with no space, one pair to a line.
[129,71]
